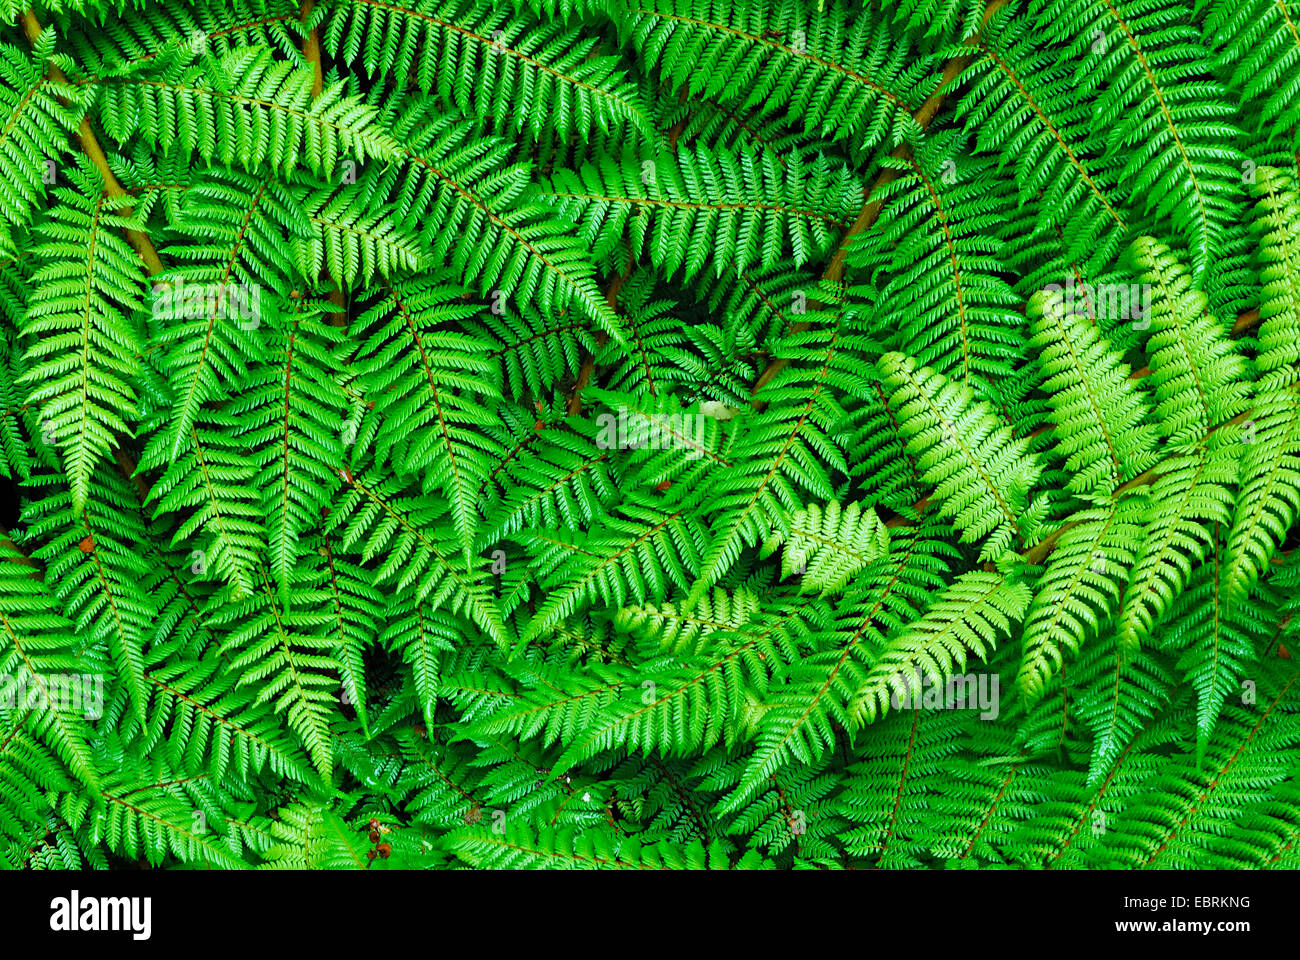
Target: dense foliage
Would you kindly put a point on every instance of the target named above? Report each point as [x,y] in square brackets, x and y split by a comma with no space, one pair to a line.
[575,433]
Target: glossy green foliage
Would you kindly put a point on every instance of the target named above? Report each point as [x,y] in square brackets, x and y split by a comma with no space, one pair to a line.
[690,434]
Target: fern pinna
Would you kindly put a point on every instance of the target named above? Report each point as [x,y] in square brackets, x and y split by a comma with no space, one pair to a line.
[664,434]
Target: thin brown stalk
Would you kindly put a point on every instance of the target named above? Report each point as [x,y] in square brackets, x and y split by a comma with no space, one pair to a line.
[870,211]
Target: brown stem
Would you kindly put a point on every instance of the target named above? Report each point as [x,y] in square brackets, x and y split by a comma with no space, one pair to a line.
[126,466]
[676,130]
[589,359]
[311,53]
[1246,321]
[311,50]
[871,208]
[21,557]
[144,248]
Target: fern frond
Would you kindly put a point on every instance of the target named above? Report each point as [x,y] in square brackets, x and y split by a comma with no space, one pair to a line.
[517,847]
[434,391]
[1187,502]
[81,316]
[1078,591]
[1097,410]
[966,618]
[1279,333]
[704,207]
[1269,495]
[1198,376]
[1167,126]
[397,524]
[982,477]
[827,547]
[528,75]
[244,107]
[33,129]
[841,75]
